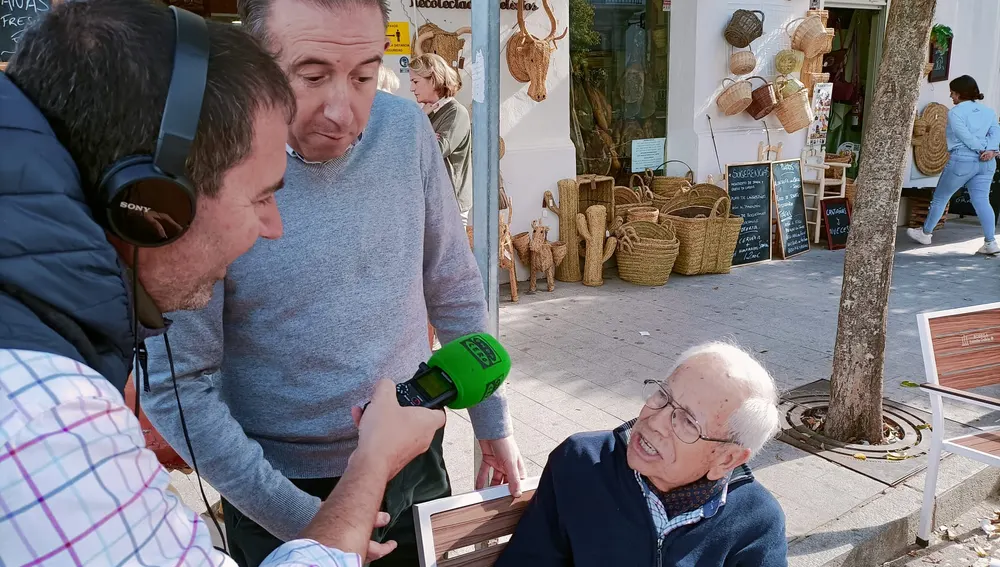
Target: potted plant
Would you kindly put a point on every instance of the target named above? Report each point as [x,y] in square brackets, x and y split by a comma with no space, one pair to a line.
[939,37]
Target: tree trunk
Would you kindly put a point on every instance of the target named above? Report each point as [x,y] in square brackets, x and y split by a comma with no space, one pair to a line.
[855,411]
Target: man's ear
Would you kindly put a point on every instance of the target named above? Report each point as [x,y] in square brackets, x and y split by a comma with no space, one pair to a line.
[726,459]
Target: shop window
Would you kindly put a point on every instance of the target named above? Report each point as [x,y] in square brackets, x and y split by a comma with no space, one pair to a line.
[620,59]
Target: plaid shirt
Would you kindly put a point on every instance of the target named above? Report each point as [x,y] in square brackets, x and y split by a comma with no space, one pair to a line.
[78,487]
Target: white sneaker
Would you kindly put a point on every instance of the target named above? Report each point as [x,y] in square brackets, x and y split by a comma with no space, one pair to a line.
[918,235]
[989,249]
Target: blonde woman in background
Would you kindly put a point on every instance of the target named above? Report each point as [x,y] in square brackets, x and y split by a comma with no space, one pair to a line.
[434,83]
[387,80]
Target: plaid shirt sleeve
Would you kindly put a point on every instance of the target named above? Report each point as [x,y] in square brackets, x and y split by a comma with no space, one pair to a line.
[78,487]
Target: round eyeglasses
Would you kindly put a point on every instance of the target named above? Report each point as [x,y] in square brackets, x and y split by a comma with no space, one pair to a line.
[685,426]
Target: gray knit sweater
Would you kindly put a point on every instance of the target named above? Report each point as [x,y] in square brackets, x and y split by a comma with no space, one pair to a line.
[373,245]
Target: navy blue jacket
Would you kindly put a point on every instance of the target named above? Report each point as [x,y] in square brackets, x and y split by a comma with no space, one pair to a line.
[52,248]
[589,510]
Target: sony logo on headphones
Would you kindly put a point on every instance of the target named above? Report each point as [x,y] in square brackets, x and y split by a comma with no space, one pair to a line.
[133,207]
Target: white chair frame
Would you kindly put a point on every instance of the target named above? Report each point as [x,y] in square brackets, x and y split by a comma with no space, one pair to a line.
[423,512]
[937,394]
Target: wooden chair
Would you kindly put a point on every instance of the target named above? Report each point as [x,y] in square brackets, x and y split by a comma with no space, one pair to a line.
[465,520]
[961,349]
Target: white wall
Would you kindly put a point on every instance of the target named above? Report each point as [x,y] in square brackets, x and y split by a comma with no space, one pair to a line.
[536,135]
[976,52]
[699,61]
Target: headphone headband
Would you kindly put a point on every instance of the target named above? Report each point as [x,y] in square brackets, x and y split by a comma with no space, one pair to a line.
[187,89]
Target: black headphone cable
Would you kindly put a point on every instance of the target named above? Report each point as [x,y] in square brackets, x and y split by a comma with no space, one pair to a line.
[140,365]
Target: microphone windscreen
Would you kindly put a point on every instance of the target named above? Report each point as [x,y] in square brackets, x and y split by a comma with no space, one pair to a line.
[477,364]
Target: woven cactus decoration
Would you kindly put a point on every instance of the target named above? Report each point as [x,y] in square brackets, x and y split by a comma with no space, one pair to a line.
[569,206]
[593,227]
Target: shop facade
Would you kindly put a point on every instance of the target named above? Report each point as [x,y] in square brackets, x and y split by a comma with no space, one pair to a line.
[651,70]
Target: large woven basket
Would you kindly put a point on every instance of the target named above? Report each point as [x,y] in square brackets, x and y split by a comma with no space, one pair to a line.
[742,63]
[735,98]
[707,242]
[794,111]
[744,27]
[764,99]
[666,186]
[837,172]
[809,37]
[646,252]
[643,213]
[597,190]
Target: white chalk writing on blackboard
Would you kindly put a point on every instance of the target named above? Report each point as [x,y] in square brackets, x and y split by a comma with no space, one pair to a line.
[16,16]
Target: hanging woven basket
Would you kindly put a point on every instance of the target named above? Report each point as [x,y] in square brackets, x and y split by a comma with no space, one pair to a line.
[744,27]
[809,36]
[742,63]
[735,98]
[788,61]
[764,99]
[793,110]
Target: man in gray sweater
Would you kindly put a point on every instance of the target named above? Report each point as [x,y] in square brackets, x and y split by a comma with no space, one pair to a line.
[302,327]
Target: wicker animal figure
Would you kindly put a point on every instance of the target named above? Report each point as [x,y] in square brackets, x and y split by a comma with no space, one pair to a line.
[507,252]
[593,226]
[528,56]
[569,206]
[432,39]
[541,256]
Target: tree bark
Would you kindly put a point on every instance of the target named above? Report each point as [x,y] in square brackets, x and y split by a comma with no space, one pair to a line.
[855,411]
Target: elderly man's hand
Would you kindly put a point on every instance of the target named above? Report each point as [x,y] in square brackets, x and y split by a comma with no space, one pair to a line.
[503,456]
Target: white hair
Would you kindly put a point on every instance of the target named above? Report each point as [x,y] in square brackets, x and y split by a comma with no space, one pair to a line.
[387,80]
[756,421]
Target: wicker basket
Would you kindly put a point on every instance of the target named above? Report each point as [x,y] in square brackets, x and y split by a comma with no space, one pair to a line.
[707,243]
[788,61]
[809,36]
[764,99]
[794,111]
[742,63]
[643,213]
[626,196]
[665,186]
[646,252]
[597,190]
[744,27]
[559,250]
[851,191]
[735,98]
[837,172]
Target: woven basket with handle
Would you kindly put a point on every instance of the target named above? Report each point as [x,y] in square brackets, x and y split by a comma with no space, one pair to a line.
[646,252]
[742,63]
[735,98]
[809,37]
[793,110]
[666,186]
[744,27]
[764,100]
[707,242]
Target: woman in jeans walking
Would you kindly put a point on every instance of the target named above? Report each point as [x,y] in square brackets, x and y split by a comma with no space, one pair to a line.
[973,143]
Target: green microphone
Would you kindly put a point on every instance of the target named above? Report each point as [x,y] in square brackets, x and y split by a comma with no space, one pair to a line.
[460,374]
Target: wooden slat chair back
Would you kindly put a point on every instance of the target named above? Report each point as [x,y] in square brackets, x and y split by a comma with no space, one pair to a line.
[467,520]
[961,351]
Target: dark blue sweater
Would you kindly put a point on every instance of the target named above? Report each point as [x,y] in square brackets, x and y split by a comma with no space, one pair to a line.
[590,510]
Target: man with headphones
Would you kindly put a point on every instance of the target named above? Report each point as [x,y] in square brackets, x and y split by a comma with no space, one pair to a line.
[131,175]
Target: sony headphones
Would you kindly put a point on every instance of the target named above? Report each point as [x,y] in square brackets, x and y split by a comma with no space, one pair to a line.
[148,200]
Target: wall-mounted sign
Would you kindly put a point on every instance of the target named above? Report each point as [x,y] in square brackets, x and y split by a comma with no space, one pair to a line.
[647,153]
[467,4]
[398,34]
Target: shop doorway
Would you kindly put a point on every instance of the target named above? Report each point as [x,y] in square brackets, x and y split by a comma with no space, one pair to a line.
[619,59]
[853,68]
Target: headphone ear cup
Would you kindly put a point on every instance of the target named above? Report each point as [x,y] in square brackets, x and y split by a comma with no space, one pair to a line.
[143,206]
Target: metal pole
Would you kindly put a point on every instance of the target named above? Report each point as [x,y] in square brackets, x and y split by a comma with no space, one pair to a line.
[486,149]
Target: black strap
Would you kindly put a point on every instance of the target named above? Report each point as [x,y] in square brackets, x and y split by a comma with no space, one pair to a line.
[59,322]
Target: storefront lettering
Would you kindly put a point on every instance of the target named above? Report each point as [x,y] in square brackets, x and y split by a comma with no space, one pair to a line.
[464,4]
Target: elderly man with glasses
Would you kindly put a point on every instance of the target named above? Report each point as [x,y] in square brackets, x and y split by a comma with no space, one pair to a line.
[669,488]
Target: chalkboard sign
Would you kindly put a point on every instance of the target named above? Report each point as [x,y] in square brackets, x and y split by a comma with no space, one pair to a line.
[790,204]
[837,218]
[15,17]
[940,60]
[750,193]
